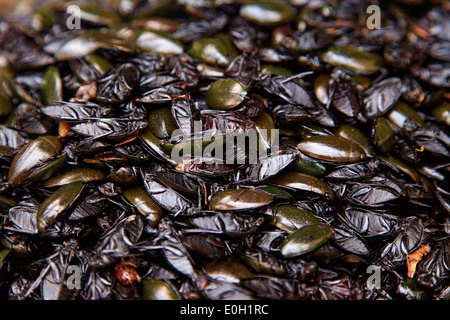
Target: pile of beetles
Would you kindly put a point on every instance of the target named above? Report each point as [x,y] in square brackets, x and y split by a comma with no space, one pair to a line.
[104,105]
